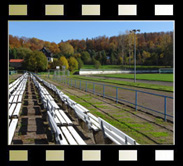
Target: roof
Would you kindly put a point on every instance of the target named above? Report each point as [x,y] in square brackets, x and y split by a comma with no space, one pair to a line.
[47,52]
[16,60]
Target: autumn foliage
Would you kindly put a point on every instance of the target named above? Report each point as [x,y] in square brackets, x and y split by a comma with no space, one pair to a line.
[152,49]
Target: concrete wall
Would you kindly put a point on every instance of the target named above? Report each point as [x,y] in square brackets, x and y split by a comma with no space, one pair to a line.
[90,72]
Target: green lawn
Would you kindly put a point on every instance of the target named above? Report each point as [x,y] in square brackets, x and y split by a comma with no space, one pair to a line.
[116,67]
[152,77]
[126,83]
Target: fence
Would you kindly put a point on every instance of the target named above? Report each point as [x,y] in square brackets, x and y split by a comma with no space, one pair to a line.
[12,72]
[166,70]
[157,104]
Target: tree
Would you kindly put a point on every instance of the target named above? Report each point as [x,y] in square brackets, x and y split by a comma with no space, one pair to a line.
[145,55]
[85,56]
[80,63]
[113,59]
[66,48]
[64,62]
[77,55]
[14,42]
[159,45]
[104,57]
[12,53]
[54,48]
[73,64]
[120,60]
[35,61]
[97,64]
[22,52]
[55,63]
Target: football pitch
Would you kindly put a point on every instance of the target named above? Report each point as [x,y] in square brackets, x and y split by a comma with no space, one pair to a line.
[151,77]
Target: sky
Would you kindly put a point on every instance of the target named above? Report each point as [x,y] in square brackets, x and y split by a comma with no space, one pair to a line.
[55,31]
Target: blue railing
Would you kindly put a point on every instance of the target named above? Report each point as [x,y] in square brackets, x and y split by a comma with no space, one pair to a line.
[89,86]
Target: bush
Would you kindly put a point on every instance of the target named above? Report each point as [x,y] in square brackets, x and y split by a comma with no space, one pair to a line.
[64,62]
[80,63]
[97,64]
[73,64]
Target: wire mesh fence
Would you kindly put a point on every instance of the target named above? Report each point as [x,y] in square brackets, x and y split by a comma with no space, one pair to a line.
[156,104]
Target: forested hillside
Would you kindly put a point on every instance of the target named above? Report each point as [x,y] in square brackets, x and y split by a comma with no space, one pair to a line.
[152,49]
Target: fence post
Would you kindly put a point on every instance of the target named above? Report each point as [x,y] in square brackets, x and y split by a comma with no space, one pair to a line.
[135,100]
[86,87]
[103,90]
[93,88]
[165,108]
[116,95]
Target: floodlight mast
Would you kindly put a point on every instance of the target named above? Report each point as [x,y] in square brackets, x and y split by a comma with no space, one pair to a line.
[134,32]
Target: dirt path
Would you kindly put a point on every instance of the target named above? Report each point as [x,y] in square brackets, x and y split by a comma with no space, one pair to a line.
[144,128]
[31,127]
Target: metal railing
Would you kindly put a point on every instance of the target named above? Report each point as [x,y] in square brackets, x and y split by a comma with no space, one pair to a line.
[155,103]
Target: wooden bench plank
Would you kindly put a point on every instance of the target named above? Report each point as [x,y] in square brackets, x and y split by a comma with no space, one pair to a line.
[56,120]
[60,118]
[21,93]
[11,99]
[12,109]
[49,97]
[58,133]
[17,110]
[15,99]
[69,122]
[63,140]
[20,98]
[12,129]
[15,93]
[54,104]
[76,135]
[68,136]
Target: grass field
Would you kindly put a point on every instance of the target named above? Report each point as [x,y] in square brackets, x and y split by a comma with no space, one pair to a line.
[123,67]
[152,77]
[127,83]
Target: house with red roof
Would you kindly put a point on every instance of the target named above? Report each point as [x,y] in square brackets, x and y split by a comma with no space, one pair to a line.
[16,63]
